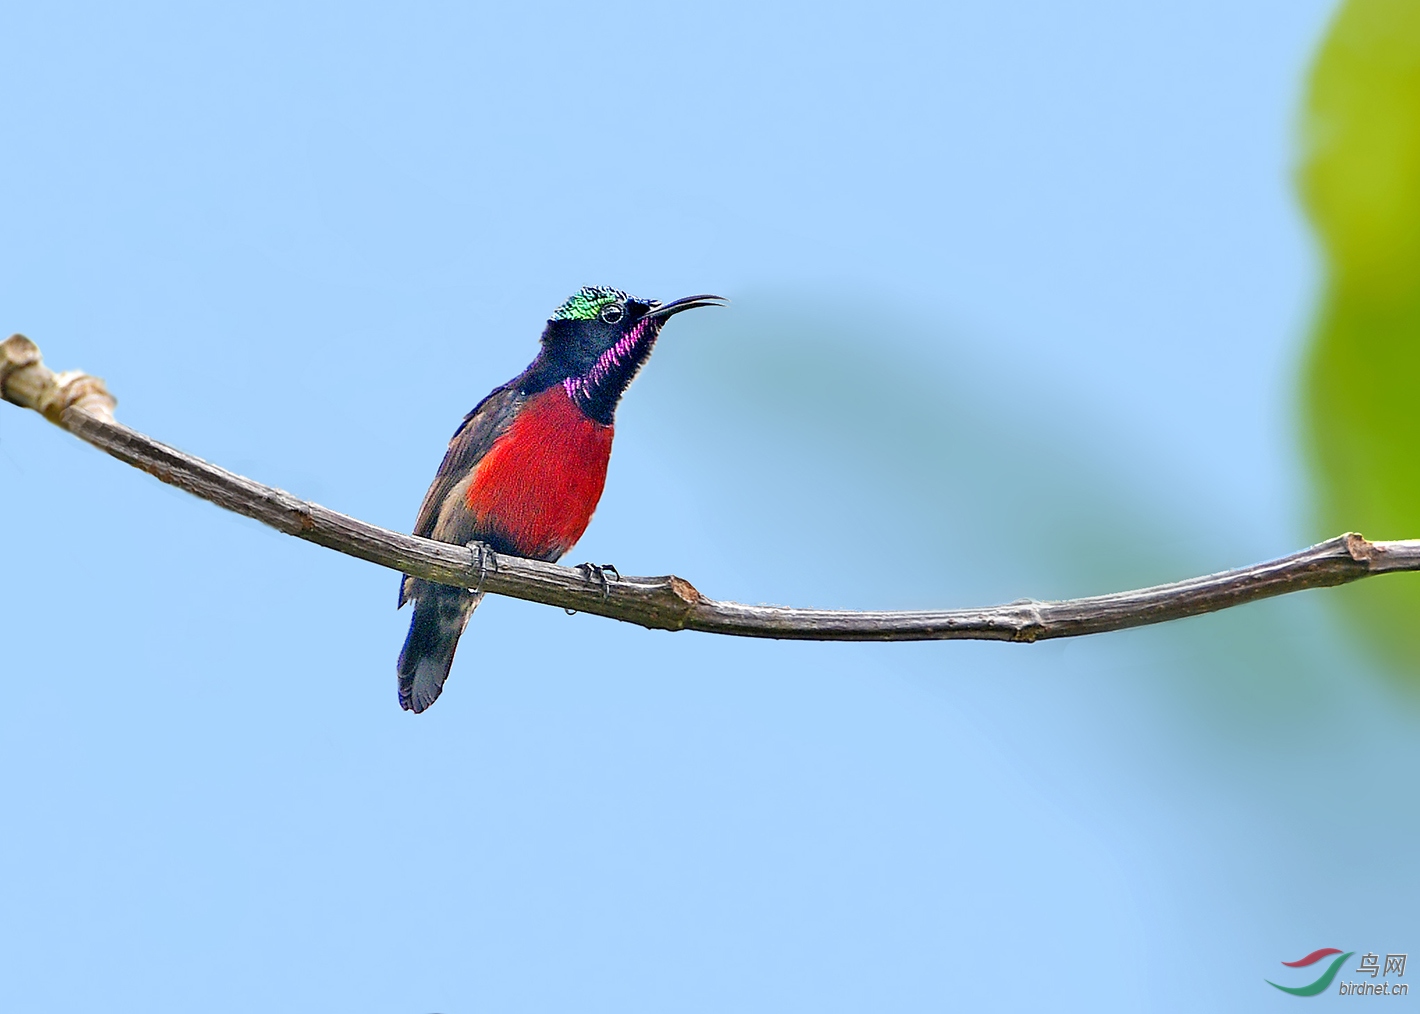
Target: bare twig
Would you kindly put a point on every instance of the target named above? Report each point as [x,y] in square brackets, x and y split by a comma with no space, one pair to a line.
[81,404]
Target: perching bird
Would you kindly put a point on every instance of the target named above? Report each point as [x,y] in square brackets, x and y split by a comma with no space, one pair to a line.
[524,472]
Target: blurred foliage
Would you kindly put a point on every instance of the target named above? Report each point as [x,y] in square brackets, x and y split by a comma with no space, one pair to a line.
[1360,180]
[959,478]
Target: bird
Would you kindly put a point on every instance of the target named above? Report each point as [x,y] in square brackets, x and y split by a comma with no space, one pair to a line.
[525,469]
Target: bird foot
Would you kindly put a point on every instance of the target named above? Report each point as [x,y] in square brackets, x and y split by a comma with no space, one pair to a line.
[597,574]
[487,560]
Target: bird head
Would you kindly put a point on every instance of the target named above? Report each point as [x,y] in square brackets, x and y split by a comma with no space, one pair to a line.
[597,340]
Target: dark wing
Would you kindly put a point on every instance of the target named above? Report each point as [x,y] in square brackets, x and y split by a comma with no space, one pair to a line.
[471,441]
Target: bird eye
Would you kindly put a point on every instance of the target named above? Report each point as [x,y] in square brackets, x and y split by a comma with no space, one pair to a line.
[613,313]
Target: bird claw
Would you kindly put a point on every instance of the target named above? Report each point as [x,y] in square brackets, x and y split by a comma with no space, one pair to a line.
[487,560]
[598,574]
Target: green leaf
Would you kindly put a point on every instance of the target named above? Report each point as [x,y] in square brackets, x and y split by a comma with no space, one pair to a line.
[1360,181]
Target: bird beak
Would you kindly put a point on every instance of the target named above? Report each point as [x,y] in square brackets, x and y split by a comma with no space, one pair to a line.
[663,310]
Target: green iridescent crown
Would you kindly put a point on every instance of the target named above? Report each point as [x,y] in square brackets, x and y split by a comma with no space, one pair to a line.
[588,301]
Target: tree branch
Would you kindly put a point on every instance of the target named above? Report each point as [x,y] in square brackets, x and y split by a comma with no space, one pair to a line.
[82,405]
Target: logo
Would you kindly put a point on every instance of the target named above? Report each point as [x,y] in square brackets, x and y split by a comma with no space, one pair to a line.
[1370,965]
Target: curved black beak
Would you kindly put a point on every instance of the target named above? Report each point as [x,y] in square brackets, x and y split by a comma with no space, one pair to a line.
[663,310]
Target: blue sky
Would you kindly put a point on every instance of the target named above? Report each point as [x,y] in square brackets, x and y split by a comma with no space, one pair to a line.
[1020,294]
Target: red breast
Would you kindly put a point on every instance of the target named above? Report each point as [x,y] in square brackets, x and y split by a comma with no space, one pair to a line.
[540,481]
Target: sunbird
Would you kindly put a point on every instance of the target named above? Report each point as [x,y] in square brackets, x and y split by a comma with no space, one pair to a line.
[525,469]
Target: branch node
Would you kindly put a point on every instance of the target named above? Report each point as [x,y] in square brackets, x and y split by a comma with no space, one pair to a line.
[1029,631]
[1359,548]
[685,591]
[27,382]
[16,352]
[78,390]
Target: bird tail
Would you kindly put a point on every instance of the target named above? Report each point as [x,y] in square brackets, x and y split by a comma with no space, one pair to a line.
[440,614]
